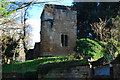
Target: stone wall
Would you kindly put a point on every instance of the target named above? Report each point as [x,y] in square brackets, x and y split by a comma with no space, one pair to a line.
[20,76]
[37,52]
[67,73]
[33,53]
[58,20]
[116,71]
[68,70]
[29,54]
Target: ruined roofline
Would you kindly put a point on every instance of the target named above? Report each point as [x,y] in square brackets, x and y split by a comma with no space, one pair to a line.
[59,7]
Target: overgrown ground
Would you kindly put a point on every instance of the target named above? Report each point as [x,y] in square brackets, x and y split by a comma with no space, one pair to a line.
[85,47]
[32,65]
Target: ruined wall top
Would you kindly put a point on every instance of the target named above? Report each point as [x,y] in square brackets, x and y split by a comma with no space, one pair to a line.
[59,7]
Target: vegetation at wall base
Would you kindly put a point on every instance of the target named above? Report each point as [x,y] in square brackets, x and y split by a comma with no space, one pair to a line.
[32,65]
[85,47]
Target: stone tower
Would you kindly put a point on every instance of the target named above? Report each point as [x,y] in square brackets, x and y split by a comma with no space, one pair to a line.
[58,30]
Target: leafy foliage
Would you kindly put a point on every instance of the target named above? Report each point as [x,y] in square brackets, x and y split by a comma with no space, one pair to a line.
[4,12]
[87,47]
[96,50]
[111,49]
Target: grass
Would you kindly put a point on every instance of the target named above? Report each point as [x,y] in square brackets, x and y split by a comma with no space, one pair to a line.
[32,65]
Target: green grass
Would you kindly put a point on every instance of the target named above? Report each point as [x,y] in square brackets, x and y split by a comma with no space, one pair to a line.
[32,65]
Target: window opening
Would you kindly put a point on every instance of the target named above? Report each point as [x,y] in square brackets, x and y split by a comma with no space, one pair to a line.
[64,40]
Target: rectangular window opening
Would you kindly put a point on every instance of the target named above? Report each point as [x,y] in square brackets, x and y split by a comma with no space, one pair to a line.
[64,40]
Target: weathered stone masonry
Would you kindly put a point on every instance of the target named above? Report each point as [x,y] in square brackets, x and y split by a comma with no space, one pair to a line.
[58,31]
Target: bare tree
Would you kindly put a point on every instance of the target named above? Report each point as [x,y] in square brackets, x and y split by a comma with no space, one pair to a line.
[9,37]
[100,30]
[107,31]
[14,7]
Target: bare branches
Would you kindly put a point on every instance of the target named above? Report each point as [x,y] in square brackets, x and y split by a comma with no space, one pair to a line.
[29,3]
[99,29]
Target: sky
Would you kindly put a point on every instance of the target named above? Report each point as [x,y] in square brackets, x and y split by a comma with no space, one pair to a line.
[35,21]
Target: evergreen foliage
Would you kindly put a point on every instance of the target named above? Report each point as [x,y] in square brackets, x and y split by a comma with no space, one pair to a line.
[90,48]
[111,49]
[96,50]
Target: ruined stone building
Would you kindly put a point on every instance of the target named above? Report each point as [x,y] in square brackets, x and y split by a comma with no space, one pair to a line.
[58,31]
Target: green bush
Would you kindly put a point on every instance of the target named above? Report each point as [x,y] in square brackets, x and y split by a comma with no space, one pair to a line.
[90,48]
[111,48]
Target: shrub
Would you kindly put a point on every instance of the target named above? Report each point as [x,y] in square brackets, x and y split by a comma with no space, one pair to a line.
[111,48]
[90,48]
